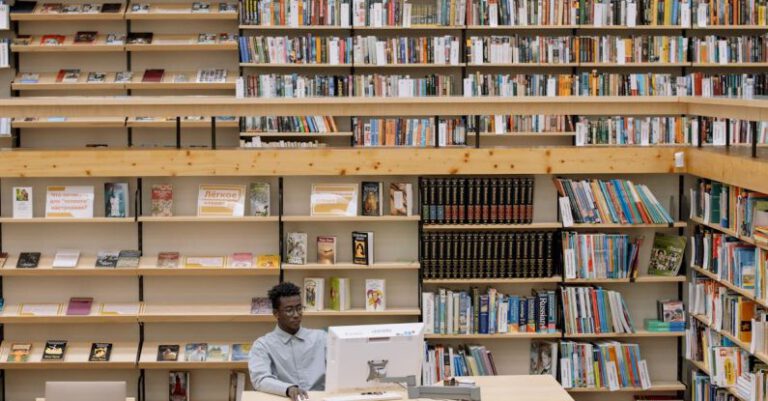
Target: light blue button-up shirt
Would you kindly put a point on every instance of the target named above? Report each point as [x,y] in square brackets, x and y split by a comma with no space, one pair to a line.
[279,360]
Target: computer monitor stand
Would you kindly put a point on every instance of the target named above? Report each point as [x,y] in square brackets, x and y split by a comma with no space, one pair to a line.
[469,393]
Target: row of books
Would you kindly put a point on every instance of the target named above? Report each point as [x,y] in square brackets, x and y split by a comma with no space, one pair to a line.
[85,38]
[478,84]
[602,364]
[721,308]
[608,201]
[257,142]
[502,124]
[726,50]
[599,256]
[641,131]
[439,50]
[489,312]
[488,200]
[297,248]
[446,361]
[340,294]
[595,311]
[740,210]
[629,13]
[74,75]
[308,49]
[514,254]
[128,258]
[703,388]
[307,124]
[730,259]
[31,7]
[415,132]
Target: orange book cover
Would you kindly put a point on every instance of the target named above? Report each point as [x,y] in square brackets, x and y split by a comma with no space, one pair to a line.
[746,314]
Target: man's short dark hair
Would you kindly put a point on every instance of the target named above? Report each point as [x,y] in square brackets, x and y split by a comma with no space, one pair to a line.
[282,290]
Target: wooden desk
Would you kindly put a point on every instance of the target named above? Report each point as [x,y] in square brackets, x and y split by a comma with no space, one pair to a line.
[492,388]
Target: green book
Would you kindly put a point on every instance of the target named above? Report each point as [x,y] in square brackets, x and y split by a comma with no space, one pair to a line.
[340,294]
[667,255]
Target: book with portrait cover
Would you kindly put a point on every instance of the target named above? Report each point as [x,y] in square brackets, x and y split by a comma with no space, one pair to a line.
[19,353]
[178,386]
[100,352]
[115,199]
[296,248]
[258,194]
[28,260]
[543,358]
[162,200]
[362,248]
[54,350]
[313,294]
[372,202]
[261,306]
[326,250]
[167,353]
[196,352]
[400,199]
[375,295]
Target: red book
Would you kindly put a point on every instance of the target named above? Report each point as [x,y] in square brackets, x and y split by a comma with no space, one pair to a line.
[52,40]
[79,306]
[155,75]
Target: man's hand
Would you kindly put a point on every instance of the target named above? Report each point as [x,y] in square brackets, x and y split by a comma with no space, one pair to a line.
[297,394]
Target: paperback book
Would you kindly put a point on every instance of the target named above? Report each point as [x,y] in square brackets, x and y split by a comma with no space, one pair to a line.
[100,352]
[666,255]
[375,295]
[340,294]
[326,250]
[400,199]
[66,258]
[54,350]
[218,353]
[241,259]
[372,202]
[107,258]
[196,352]
[19,353]
[178,386]
[268,261]
[22,203]
[162,200]
[168,353]
[28,260]
[296,248]
[128,258]
[258,194]
[240,352]
[79,306]
[362,248]
[168,259]
[313,296]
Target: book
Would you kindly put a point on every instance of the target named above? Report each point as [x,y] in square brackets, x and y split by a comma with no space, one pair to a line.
[543,358]
[66,258]
[666,255]
[296,248]
[196,352]
[100,352]
[139,8]
[168,259]
[48,309]
[91,8]
[52,40]
[140,38]
[162,200]
[206,38]
[168,353]
[268,261]
[218,353]
[96,78]
[19,352]
[123,77]
[69,202]
[313,294]
[326,250]
[204,261]
[671,311]
[28,260]
[340,294]
[241,259]
[261,306]
[375,295]
[54,350]
[29,78]
[227,7]
[240,352]
[22,203]
[71,9]
[221,200]
[117,39]
[128,258]
[85,37]
[79,306]
[371,202]
[201,7]
[178,386]
[362,248]
[111,7]
[68,75]
[333,200]
[107,258]
[153,75]
[400,199]
[258,195]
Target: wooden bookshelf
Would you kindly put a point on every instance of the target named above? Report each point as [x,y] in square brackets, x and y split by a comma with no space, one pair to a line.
[294,28]
[68,46]
[485,227]
[38,15]
[148,357]
[295,65]
[527,134]
[446,281]
[122,356]
[10,316]
[189,313]
[499,336]
[354,267]
[410,28]
[201,219]
[521,65]
[168,42]
[677,224]
[407,66]
[741,344]
[181,12]
[190,83]
[700,366]
[597,281]
[749,294]
[728,231]
[362,312]
[66,220]
[635,65]
[152,271]
[85,268]
[48,81]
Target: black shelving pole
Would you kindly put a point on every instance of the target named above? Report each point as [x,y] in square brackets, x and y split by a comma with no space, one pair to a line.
[280,224]
[139,211]
[178,132]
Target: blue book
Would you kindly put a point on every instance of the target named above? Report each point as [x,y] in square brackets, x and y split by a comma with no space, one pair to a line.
[523,315]
[552,314]
[514,311]
[483,329]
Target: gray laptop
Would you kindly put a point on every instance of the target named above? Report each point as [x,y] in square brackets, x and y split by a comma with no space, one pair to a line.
[84,391]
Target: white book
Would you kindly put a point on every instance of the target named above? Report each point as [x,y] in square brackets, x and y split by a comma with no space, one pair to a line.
[313,294]
[407,10]
[612,375]
[701,15]
[333,52]
[565,211]
[66,258]
[375,295]
[428,312]
[645,379]
[22,203]
[631,14]
[565,373]
[69,202]
[685,14]
[381,53]
[449,311]
[344,11]
[493,14]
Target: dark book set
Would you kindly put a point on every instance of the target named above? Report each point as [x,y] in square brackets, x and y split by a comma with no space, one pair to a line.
[454,255]
[477,200]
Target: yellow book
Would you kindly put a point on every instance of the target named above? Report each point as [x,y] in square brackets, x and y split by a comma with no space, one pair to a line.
[668,12]
[268,262]
[654,12]
[596,369]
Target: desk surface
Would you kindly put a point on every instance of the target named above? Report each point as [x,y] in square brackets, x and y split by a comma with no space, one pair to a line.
[493,388]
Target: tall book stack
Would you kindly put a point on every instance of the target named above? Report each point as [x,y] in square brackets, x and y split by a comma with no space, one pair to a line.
[595,311]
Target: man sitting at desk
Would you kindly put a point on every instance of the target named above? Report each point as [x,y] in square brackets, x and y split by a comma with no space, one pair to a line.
[290,360]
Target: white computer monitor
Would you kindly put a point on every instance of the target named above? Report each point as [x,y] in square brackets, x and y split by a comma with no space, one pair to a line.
[394,350]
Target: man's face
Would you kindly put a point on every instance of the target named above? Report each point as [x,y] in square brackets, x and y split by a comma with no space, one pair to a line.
[289,313]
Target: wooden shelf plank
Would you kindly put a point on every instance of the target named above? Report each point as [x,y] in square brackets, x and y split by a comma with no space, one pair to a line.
[350,266]
[362,312]
[65,220]
[660,279]
[342,219]
[38,15]
[521,65]
[542,280]
[188,313]
[122,356]
[409,28]
[677,224]
[199,271]
[500,336]
[637,334]
[294,28]
[64,319]
[597,280]
[295,65]
[75,122]
[199,219]
[526,134]
[164,42]
[635,65]
[484,227]
[68,46]
[656,386]
[180,11]
[298,134]
[193,365]
[85,268]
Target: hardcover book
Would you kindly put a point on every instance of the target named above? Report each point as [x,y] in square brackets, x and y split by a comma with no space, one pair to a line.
[221,201]
[19,353]
[115,199]
[362,248]
[268,261]
[258,194]
[296,248]
[68,75]
[218,353]
[100,352]
[168,259]
[168,353]
[204,261]
[28,260]
[140,38]
[128,258]
[375,295]
[313,294]
[52,40]
[162,200]
[54,350]
[340,294]
[123,76]
[178,386]
[79,306]
[22,203]
[372,199]
[240,352]
[261,306]
[241,259]
[96,78]
[117,39]
[153,75]
[66,258]
[85,37]
[400,199]
[333,200]
[196,352]
[326,250]
[666,255]
[107,258]
[69,202]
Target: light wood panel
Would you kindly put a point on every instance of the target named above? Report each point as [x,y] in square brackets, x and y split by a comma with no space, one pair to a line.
[728,166]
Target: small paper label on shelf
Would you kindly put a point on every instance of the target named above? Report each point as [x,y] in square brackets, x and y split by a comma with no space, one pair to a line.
[679,159]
